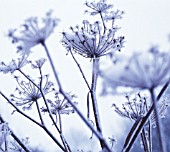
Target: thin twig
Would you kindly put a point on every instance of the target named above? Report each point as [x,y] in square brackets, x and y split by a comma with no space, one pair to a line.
[98,135]
[81,71]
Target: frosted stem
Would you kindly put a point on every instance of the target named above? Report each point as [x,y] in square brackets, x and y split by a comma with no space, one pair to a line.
[93,96]
[158,125]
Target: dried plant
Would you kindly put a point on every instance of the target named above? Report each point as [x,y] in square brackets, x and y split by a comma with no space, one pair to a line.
[94,39]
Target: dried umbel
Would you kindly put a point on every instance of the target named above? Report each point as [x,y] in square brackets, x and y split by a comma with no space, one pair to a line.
[93,40]
[61,105]
[33,32]
[29,92]
[138,107]
[144,70]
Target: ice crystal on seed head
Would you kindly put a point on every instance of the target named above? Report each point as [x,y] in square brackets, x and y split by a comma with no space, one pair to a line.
[29,92]
[93,40]
[33,32]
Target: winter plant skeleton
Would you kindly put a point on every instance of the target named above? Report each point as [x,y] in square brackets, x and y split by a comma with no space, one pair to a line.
[93,40]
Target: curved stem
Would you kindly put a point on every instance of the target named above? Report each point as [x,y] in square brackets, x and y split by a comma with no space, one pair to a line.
[98,135]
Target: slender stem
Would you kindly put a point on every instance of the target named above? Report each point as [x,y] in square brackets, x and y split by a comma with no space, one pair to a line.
[158,125]
[81,71]
[6,146]
[98,135]
[150,136]
[15,137]
[39,113]
[149,131]
[61,130]
[60,123]
[37,123]
[93,96]
[144,140]
[103,22]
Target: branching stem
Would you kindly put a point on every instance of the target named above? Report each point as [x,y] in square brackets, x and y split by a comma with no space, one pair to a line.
[98,135]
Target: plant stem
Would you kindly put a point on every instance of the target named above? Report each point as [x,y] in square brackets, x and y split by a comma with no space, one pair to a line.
[144,141]
[93,97]
[81,71]
[98,135]
[39,113]
[158,125]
